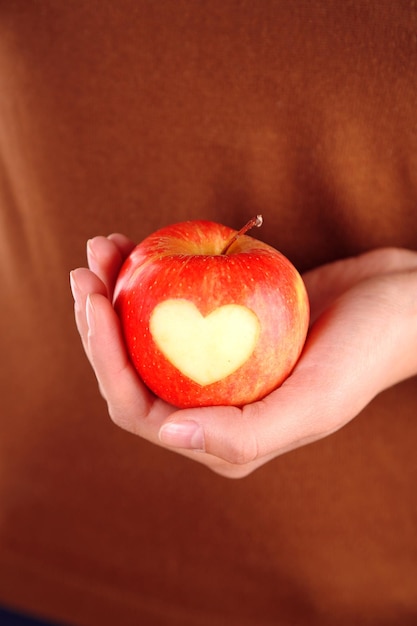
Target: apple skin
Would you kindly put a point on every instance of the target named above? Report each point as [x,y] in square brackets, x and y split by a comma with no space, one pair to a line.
[185,261]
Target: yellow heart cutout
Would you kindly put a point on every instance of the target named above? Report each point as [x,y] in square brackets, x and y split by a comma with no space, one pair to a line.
[205,349]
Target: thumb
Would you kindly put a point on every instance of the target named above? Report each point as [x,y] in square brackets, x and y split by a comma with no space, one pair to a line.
[293,415]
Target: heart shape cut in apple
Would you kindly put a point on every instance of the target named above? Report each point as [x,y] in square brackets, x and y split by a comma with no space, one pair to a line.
[205,349]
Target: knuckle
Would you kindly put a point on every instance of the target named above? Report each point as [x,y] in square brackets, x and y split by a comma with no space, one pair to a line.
[233,472]
[114,414]
[118,416]
[242,450]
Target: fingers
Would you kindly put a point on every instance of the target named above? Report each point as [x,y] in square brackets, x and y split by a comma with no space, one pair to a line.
[131,405]
[84,282]
[105,256]
[123,243]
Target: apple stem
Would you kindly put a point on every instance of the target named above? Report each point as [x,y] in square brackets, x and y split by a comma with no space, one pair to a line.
[255,221]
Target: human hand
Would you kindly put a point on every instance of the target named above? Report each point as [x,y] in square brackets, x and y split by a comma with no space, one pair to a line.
[362,340]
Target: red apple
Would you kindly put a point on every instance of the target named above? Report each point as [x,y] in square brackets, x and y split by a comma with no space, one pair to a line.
[211,316]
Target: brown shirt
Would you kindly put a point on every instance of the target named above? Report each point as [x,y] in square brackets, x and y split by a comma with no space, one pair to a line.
[129,115]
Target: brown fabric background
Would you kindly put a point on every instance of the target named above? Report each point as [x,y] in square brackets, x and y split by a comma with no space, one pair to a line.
[126,116]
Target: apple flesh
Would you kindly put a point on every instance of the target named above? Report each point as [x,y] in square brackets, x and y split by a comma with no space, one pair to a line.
[211,316]
[206,349]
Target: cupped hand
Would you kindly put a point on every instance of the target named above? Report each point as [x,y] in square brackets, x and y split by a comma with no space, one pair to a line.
[362,340]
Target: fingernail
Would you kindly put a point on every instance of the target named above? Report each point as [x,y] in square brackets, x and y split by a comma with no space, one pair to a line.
[91,256]
[90,313]
[187,434]
[76,293]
